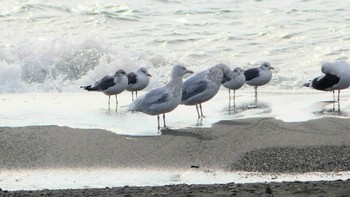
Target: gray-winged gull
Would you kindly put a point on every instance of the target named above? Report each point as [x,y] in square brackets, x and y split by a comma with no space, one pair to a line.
[163,99]
[204,86]
[258,76]
[337,77]
[236,82]
[110,85]
[137,81]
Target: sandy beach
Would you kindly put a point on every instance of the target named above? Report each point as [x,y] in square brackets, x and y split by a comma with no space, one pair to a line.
[253,145]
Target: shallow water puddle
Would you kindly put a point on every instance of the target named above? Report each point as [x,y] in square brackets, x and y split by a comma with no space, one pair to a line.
[100,178]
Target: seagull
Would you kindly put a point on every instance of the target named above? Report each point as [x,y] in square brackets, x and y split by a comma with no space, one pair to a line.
[163,99]
[137,81]
[236,82]
[110,85]
[204,85]
[337,77]
[258,76]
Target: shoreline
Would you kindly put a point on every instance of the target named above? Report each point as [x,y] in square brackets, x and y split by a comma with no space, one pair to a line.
[67,109]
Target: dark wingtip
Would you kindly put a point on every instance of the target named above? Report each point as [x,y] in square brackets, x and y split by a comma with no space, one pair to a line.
[307,84]
[89,88]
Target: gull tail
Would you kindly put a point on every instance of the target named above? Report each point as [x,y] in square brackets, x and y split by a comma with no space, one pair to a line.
[89,88]
[132,107]
[135,105]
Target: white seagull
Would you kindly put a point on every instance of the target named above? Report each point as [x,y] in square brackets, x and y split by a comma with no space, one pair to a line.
[337,77]
[110,85]
[258,76]
[163,99]
[137,81]
[204,86]
[236,82]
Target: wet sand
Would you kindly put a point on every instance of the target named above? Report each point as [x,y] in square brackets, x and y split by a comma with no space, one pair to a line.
[261,144]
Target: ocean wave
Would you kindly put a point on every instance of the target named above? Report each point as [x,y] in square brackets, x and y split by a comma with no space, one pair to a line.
[43,7]
[64,65]
[58,46]
[118,12]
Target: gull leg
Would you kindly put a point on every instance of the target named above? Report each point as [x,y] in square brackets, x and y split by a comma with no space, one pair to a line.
[234,98]
[333,100]
[199,116]
[229,100]
[200,106]
[256,94]
[256,91]
[116,103]
[164,121]
[158,124]
[199,121]
[132,95]
[338,101]
[109,102]
[136,94]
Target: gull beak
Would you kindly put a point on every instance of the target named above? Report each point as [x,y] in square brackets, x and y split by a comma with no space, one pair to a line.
[189,71]
[272,67]
[149,75]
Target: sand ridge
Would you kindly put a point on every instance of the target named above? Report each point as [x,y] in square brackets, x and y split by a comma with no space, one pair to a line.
[221,147]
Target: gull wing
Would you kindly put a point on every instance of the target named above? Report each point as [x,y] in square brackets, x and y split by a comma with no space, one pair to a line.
[105,83]
[132,78]
[251,73]
[158,95]
[325,82]
[194,86]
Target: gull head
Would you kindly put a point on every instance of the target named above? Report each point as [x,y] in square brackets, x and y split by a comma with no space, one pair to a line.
[120,73]
[180,71]
[238,70]
[266,66]
[144,71]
